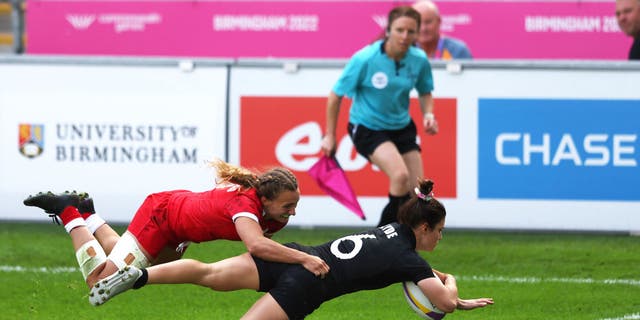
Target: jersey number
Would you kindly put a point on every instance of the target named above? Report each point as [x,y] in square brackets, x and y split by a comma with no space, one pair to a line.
[357,245]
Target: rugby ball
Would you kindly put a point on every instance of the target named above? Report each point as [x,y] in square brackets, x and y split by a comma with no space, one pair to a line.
[420,303]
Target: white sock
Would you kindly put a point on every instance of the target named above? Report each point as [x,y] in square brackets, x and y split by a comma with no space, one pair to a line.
[77,222]
[94,222]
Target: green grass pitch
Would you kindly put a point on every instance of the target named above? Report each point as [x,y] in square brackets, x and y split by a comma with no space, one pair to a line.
[530,276]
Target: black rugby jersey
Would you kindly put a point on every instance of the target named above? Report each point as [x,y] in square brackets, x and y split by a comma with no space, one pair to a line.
[370,260]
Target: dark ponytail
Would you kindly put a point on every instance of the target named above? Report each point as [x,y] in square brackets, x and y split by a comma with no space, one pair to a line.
[422,207]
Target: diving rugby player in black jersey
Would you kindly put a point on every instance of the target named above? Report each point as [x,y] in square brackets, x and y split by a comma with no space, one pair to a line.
[362,261]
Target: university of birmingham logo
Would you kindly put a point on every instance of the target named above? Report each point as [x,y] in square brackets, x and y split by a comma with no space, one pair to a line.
[31,139]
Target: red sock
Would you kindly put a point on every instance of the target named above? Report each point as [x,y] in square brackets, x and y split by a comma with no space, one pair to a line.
[85,215]
[70,214]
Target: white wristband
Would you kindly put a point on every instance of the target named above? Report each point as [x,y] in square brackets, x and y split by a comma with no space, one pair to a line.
[429,116]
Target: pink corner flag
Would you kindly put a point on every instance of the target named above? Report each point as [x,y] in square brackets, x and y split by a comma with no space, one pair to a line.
[333,181]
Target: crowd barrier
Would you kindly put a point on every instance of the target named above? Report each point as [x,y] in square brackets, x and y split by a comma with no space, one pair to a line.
[539,145]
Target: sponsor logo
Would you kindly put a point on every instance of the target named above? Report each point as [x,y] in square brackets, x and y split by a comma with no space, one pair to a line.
[262,23]
[288,131]
[571,24]
[122,22]
[380,20]
[590,150]
[112,143]
[125,143]
[450,21]
[136,22]
[31,140]
[80,22]
[558,149]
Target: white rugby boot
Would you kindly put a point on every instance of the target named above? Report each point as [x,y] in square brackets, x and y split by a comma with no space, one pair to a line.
[109,287]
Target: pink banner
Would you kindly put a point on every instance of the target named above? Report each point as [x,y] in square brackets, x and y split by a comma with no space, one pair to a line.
[314,29]
[536,29]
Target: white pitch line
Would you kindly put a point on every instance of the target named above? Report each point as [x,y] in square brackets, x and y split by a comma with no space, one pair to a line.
[634,316]
[630,282]
[38,269]
[486,278]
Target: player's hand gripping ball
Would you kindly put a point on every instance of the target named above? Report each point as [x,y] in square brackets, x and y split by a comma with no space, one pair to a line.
[420,303]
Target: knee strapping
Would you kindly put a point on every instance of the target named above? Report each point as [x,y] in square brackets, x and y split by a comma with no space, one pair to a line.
[127,252]
[90,255]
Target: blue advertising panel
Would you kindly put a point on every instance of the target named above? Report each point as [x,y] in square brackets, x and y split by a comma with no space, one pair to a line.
[559,149]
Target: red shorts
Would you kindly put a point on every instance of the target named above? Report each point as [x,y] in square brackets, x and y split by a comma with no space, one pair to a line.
[149,226]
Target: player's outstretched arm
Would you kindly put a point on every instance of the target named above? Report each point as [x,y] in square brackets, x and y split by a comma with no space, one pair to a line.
[465,304]
[267,249]
[470,304]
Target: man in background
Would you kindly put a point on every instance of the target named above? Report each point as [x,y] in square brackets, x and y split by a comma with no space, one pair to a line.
[628,15]
[435,44]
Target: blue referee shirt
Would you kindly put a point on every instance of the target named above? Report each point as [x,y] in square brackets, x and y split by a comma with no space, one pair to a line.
[379,86]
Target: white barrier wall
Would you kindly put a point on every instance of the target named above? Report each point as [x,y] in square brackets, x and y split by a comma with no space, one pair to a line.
[117,130]
[522,145]
[567,194]
[535,146]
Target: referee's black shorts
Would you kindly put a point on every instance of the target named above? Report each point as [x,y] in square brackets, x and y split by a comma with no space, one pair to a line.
[366,140]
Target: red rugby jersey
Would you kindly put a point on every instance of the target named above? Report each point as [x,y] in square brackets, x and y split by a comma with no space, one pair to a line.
[210,215]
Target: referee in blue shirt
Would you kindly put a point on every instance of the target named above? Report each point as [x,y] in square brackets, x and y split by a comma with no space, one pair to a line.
[379,79]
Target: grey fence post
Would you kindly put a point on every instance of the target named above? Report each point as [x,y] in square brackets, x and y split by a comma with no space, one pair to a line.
[17,15]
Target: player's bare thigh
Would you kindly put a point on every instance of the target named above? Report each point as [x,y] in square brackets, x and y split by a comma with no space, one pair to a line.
[239,272]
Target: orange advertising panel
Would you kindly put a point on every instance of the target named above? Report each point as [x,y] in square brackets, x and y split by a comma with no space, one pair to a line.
[287,131]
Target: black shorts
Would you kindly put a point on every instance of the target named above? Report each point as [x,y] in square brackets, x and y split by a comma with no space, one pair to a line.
[297,291]
[366,140]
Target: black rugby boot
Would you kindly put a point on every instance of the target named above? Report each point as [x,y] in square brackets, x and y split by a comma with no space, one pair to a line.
[52,203]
